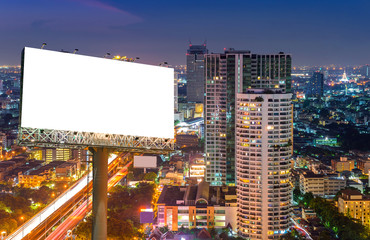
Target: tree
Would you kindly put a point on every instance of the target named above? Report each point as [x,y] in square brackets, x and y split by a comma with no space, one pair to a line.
[307,198]
[120,229]
[212,231]
[151,176]
[324,235]
[83,230]
[164,229]
[297,195]
[8,224]
[130,176]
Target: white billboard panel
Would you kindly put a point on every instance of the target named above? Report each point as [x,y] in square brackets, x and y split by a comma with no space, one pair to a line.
[145,162]
[64,91]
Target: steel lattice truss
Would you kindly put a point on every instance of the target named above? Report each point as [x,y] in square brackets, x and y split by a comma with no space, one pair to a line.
[35,137]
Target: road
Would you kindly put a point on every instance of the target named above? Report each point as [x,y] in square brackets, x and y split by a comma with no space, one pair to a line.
[302,230]
[72,221]
[35,227]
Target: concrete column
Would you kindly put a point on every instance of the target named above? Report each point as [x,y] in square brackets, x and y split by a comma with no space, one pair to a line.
[100,187]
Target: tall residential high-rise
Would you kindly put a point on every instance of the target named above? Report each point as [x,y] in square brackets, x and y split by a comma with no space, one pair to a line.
[227,74]
[264,130]
[176,91]
[195,72]
[316,85]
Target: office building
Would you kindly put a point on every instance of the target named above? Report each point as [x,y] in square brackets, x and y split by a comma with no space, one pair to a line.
[316,85]
[195,72]
[56,154]
[264,130]
[226,74]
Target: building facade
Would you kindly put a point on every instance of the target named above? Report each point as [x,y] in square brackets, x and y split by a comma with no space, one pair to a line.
[264,131]
[197,206]
[226,74]
[355,205]
[195,72]
[321,185]
[343,164]
[316,85]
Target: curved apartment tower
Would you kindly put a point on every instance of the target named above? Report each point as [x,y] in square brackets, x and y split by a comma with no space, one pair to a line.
[263,136]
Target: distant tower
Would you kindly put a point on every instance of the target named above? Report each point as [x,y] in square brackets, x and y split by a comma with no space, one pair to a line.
[316,85]
[176,91]
[344,77]
[195,72]
[345,80]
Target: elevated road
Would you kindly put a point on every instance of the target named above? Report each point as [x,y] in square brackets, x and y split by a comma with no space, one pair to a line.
[72,221]
[37,226]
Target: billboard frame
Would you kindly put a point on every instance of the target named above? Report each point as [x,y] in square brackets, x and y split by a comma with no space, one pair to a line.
[34,137]
[100,144]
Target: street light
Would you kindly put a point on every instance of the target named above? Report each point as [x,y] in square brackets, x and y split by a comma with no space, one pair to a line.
[43,45]
[75,50]
[3,235]
[22,219]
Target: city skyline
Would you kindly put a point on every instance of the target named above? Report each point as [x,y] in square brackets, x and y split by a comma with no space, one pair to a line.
[184,120]
[315,33]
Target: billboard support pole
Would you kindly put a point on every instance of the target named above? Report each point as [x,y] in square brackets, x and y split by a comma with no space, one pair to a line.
[100,179]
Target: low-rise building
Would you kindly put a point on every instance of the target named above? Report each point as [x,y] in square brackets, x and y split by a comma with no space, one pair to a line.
[33,179]
[355,205]
[364,165]
[67,170]
[320,184]
[197,168]
[308,213]
[344,164]
[197,206]
[186,140]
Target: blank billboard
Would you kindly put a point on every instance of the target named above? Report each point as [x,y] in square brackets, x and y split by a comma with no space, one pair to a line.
[145,162]
[64,91]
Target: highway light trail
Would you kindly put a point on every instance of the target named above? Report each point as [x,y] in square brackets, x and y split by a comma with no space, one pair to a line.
[302,229]
[32,223]
[77,215]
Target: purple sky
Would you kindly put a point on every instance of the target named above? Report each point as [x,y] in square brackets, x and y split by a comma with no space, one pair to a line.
[314,32]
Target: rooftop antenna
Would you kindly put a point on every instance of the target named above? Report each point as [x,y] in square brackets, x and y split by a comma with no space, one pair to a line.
[205,42]
[190,44]
[74,52]
[43,45]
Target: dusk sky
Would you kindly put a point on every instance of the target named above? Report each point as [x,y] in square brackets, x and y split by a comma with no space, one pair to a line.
[314,32]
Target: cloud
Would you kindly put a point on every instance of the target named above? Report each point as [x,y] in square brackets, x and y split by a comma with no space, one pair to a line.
[108,7]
